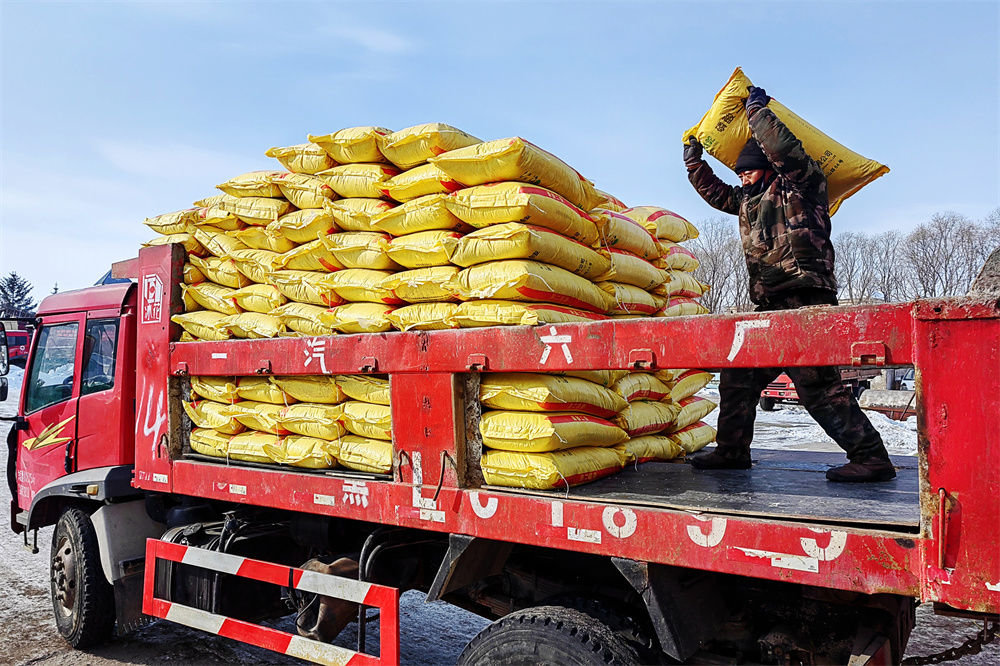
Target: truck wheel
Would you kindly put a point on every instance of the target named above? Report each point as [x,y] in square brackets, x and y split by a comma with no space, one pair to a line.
[82,598]
[548,635]
[766,403]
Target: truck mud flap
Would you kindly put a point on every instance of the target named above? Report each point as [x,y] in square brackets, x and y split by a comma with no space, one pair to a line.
[386,599]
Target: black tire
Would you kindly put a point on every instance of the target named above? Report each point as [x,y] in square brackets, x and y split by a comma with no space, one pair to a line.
[548,635]
[82,599]
[766,403]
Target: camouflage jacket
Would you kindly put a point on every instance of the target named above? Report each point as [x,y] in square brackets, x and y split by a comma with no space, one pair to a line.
[785,228]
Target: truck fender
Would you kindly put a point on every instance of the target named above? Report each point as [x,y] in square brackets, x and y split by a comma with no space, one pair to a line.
[122,529]
[468,560]
[104,483]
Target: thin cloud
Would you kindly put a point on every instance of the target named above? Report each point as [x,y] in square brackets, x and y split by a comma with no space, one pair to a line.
[375,40]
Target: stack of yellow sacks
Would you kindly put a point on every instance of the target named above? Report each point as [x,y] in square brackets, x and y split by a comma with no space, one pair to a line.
[425,228]
[546,431]
[308,421]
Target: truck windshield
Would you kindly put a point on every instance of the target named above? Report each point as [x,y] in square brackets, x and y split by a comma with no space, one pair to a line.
[99,356]
[51,376]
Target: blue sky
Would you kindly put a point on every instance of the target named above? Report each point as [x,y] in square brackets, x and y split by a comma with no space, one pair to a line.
[112,112]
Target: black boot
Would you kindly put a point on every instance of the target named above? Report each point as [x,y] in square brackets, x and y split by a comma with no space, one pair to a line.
[722,459]
[865,470]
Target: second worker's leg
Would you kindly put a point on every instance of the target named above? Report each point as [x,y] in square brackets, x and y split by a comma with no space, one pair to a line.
[739,392]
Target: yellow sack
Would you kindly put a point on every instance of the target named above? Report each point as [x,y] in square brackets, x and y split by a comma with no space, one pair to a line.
[217,218]
[192,275]
[312,256]
[623,233]
[605,378]
[360,249]
[357,214]
[608,202]
[306,287]
[724,130]
[693,409]
[209,442]
[359,180]
[679,307]
[261,389]
[517,160]
[260,416]
[302,158]
[513,240]
[518,202]
[324,421]
[531,432]
[688,382]
[208,202]
[535,392]
[641,386]
[629,269]
[627,299]
[413,146]
[422,214]
[365,419]
[204,324]
[694,437]
[518,280]
[220,271]
[253,325]
[262,238]
[303,226]
[646,418]
[365,388]
[353,144]
[677,257]
[650,448]
[473,314]
[365,454]
[359,318]
[252,184]
[212,297]
[260,298]
[424,248]
[303,318]
[256,264]
[217,389]
[422,285]
[209,414]
[257,210]
[321,389]
[424,317]
[301,451]
[556,469]
[681,284]
[251,447]
[360,285]
[191,245]
[217,243]
[662,223]
[419,182]
[304,191]
[179,222]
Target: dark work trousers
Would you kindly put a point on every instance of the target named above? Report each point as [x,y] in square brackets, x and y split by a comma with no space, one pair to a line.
[821,391]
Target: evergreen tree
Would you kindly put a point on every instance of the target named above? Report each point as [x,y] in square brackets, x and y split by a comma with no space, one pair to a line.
[15,297]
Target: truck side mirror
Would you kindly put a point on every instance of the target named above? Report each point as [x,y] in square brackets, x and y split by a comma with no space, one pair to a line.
[4,359]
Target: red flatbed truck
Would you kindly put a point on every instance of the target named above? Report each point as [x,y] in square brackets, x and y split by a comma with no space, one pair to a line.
[658,562]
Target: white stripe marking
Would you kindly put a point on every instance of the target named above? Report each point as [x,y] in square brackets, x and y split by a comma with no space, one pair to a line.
[220,356]
[580,534]
[318,653]
[485,511]
[333,586]
[432,516]
[557,514]
[207,559]
[192,617]
[784,560]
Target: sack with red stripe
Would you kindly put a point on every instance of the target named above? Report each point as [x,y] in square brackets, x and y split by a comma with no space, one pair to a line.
[689,382]
[514,240]
[630,269]
[651,448]
[556,469]
[664,223]
[533,432]
[519,280]
[627,299]
[676,257]
[646,417]
[365,181]
[681,306]
[623,233]
[472,314]
[695,437]
[693,409]
[421,181]
[681,284]
[641,386]
[535,392]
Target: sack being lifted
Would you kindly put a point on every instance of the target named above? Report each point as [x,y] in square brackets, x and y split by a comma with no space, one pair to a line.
[724,130]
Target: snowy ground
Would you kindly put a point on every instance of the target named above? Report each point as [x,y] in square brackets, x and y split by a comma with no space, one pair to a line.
[432,633]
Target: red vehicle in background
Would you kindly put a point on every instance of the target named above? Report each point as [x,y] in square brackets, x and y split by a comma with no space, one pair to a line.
[18,343]
[782,389]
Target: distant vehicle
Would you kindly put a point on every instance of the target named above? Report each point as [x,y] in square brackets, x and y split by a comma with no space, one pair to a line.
[783,390]
[17,347]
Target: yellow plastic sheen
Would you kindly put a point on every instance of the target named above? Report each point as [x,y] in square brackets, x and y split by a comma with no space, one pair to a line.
[304,191]
[645,417]
[312,256]
[192,275]
[217,218]
[252,184]
[253,325]
[261,238]
[360,249]
[650,448]
[321,389]
[694,437]
[520,280]
[641,386]
[303,318]
[693,409]
[260,416]
[556,469]
[365,419]
[681,283]
[257,265]
[532,432]
[627,299]
[679,306]
[421,181]
[178,222]
[360,285]
[688,382]
[627,268]
[204,324]
[424,317]
[724,130]
[190,243]
[301,451]
[256,210]
[303,226]
[210,414]
[359,180]
[513,240]
[262,298]
[217,243]
[359,317]
[321,420]
[365,388]
[425,213]
[422,285]
[212,297]
[676,257]
[217,389]
[365,454]
[312,287]
[261,389]
[605,378]
[536,392]
[662,223]
[412,146]
[623,233]
[357,214]
[473,314]
[352,144]
[309,158]
[424,248]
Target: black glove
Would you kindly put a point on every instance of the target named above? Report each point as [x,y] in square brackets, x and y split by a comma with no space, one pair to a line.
[692,153]
[756,99]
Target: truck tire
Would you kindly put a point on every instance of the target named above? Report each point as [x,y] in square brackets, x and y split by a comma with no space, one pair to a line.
[82,599]
[766,403]
[548,635]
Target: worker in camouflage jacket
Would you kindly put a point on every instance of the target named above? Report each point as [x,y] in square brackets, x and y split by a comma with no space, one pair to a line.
[784,220]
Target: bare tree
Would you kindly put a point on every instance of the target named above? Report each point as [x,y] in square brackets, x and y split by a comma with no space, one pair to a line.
[852,266]
[720,252]
[887,268]
[943,256]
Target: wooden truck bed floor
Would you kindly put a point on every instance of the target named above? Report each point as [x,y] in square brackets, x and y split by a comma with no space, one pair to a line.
[782,484]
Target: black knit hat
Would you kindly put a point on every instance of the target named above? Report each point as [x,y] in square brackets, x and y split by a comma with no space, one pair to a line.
[751,157]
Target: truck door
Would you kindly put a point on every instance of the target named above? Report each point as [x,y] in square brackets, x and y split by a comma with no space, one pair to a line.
[102,440]
[49,405]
